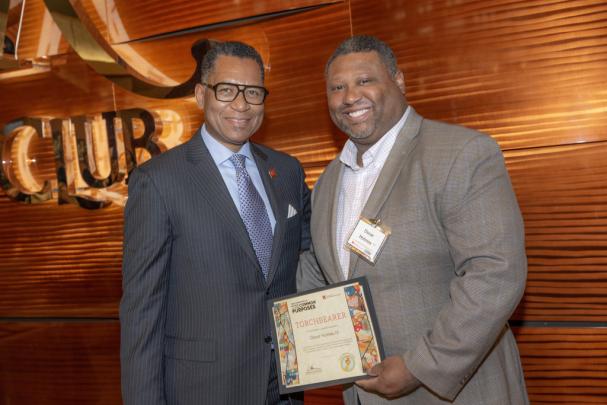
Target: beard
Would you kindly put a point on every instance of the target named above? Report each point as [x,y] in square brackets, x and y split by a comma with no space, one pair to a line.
[360,131]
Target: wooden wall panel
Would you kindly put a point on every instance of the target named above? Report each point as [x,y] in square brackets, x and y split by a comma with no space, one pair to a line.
[70,88]
[67,363]
[134,17]
[127,21]
[39,35]
[562,191]
[324,396]
[59,261]
[564,365]
[529,73]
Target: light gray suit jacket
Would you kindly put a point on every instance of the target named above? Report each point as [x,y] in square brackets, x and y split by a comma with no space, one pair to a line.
[195,325]
[450,274]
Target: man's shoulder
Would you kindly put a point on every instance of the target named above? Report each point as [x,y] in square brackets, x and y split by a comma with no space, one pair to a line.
[275,156]
[164,165]
[456,133]
[332,169]
[443,135]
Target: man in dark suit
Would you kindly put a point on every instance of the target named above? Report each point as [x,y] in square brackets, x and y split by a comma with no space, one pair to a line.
[453,266]
[213,229]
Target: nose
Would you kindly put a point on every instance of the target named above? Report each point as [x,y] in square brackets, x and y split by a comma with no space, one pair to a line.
[352,95]
[239,103]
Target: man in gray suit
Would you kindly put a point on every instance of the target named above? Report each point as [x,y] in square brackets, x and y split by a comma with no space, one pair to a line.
[213,229]
[452,268]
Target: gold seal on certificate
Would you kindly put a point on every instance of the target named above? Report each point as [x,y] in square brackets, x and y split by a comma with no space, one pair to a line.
[326,336]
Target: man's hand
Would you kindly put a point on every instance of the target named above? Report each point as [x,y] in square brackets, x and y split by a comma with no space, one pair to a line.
[391,379]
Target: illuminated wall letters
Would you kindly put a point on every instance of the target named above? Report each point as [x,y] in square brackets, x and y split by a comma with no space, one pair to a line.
[93,155]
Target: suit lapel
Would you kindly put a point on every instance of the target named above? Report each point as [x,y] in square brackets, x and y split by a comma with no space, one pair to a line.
[389,174]
[207,179]
[279,208]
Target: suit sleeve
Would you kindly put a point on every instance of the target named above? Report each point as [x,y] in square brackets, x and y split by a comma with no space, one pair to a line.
[483,225]
[306,239]
[146,257]
[309,273]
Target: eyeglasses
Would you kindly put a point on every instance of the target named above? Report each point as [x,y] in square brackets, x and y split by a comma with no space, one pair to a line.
[228,92]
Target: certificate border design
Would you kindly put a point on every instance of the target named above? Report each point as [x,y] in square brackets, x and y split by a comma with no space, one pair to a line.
[363,326]
[371,322]
[288,371]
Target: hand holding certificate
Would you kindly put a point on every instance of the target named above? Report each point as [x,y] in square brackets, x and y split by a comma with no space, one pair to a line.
[326,336]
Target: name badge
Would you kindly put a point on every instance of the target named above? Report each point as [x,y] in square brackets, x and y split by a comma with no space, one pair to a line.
[368,238]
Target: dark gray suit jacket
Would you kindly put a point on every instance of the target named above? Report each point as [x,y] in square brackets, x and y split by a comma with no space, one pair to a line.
[194,323]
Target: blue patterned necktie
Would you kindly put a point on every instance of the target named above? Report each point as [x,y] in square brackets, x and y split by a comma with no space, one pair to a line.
[254,214]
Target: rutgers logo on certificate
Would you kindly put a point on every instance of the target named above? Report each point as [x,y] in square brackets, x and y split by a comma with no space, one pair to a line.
[326,336]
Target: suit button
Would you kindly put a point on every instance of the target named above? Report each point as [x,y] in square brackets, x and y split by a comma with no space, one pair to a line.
[267,292]
[268,339]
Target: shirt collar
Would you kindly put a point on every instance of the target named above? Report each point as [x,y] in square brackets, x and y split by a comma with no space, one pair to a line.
[349,152]
[220,153]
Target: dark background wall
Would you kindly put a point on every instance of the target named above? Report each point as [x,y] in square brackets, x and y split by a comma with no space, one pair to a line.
[529,73]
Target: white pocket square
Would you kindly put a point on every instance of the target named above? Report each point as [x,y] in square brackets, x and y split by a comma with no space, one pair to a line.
[291,212]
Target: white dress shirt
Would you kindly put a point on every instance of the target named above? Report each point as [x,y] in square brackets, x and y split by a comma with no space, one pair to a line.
[356,185]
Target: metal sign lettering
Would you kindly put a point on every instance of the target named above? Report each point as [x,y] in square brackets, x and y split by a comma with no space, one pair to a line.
[93,155]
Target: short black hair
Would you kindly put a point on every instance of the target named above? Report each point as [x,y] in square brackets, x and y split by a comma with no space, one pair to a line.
[365,43]
[229,48]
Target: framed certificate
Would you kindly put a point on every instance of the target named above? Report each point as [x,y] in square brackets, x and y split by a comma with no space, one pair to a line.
[326,336]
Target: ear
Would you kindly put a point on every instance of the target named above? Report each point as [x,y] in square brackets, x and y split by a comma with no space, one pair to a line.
[199,91]
[399,78]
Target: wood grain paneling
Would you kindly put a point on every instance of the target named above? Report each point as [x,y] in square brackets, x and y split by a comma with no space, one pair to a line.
[59,363]
[562,192]
[39,35]
[59,261]
[324,396]
[313,172]
[135,19]
[69,88]
[530,73]
[564,365]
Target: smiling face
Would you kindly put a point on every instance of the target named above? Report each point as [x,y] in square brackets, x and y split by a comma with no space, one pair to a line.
[231,123]
[365,100]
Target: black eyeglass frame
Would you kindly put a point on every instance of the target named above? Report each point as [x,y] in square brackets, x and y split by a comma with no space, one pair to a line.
[241,89]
